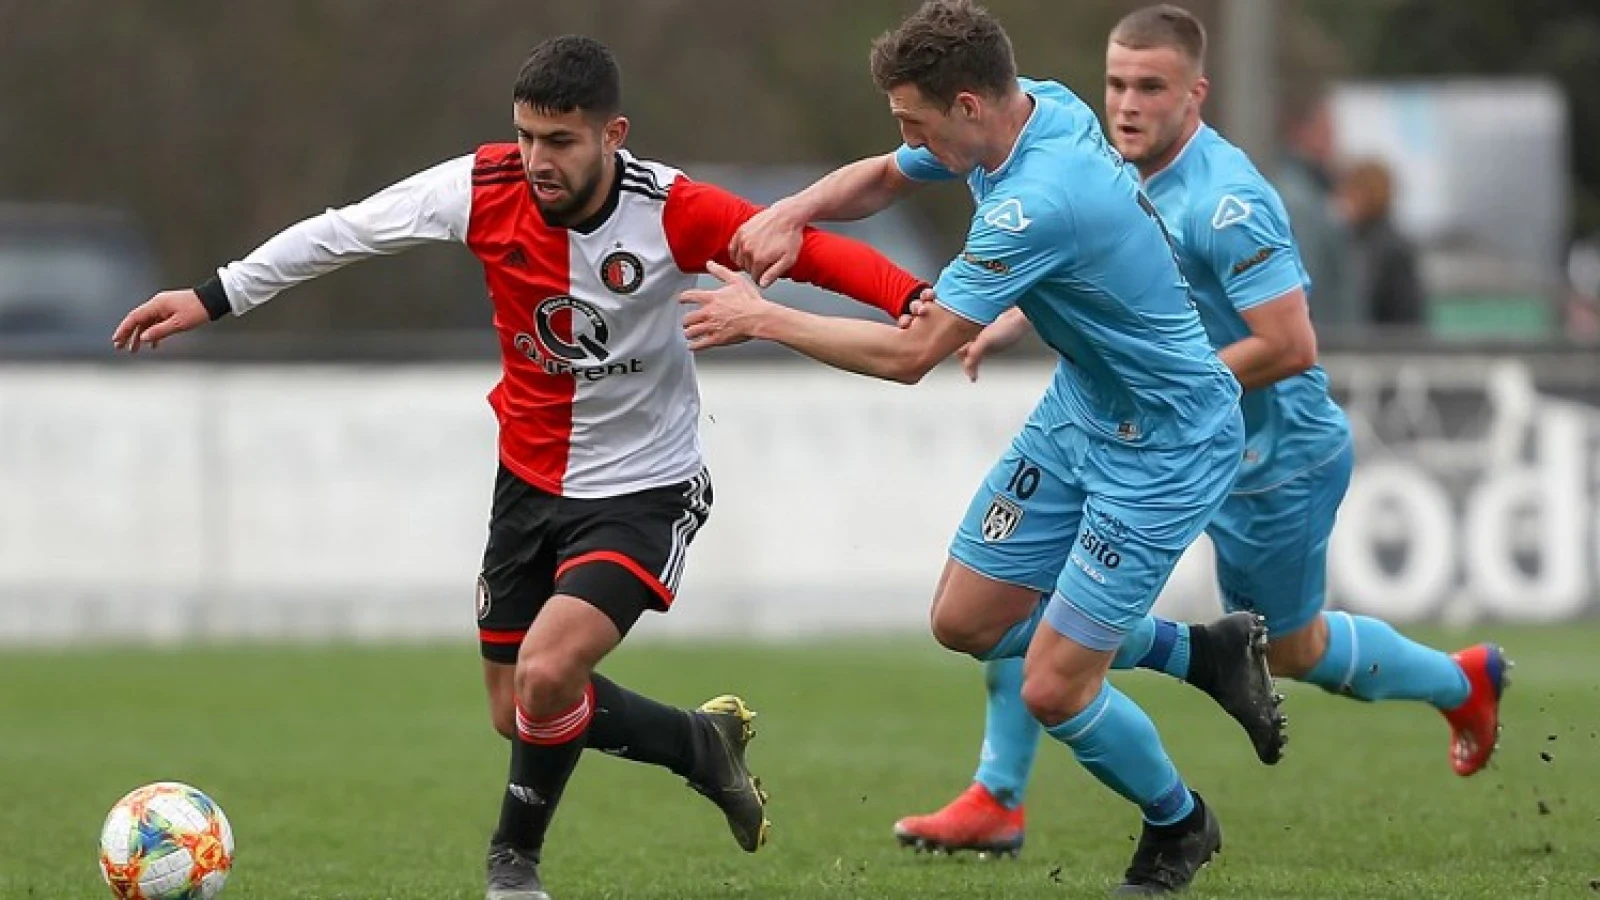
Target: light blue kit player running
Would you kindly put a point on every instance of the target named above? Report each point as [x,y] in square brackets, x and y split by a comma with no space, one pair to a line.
[1129,453]
[1271,535]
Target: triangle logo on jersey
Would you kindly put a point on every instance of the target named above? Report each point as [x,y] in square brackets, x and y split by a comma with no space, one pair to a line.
[1231,211]
[1008,216]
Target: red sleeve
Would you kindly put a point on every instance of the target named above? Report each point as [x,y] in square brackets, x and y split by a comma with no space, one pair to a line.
[700,220]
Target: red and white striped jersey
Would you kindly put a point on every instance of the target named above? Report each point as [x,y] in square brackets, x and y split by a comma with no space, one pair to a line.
[598,396]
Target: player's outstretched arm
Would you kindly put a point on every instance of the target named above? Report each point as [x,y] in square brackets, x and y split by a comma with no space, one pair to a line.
[736,312]
[768,245]
[700,220]
[433,205]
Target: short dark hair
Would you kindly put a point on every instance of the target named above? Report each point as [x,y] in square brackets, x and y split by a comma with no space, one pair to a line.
[571,72]
[944,48]
[1163,26]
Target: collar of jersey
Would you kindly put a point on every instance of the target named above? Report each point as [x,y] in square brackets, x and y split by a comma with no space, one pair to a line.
[1038,103]
[1182,152]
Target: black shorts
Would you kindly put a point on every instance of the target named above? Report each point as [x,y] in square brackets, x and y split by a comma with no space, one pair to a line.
[622,554]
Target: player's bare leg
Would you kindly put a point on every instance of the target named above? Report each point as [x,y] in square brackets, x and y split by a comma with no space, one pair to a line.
[977,615]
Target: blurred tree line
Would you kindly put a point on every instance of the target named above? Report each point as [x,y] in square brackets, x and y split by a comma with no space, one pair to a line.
[216,124]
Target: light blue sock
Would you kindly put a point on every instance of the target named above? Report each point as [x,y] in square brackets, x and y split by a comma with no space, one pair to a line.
[1155,643]
[1014,643]
[1369,660]
[1118,744]
[1010,734]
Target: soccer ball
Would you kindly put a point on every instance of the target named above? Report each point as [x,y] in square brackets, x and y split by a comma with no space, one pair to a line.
[166,841]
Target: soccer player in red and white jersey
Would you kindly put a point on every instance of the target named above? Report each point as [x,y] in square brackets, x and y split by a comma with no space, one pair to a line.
[601,485]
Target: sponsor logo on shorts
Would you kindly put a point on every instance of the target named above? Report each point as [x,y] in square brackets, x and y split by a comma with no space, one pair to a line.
[1001,521]
[1088,570]
[1096,554]
[1099,549]
[484,602]
[1111,527]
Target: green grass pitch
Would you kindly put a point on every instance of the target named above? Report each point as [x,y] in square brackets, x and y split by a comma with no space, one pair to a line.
[371,773]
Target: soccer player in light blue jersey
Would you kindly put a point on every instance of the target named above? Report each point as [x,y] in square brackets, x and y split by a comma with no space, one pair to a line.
[1271,534]
[1133,446]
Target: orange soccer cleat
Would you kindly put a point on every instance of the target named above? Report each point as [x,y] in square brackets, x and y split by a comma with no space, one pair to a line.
[973,821]
[1475,724]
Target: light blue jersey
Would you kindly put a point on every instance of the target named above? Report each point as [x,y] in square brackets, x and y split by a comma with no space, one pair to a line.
[1062,231]
[1236,250]
[1134,446]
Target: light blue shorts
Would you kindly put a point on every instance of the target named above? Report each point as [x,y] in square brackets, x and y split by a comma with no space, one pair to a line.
[1097,524]
[1272,546]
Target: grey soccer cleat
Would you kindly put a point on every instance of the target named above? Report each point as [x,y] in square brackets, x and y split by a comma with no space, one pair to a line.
[728,782]
[512,874]
[1241,683]
[1169,858]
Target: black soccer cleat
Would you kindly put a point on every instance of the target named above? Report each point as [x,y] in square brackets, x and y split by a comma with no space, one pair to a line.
[724,778]
[512,874]
[1169,857]
[1239,680]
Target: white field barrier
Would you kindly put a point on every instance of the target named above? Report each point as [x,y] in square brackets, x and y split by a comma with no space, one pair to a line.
[176,502]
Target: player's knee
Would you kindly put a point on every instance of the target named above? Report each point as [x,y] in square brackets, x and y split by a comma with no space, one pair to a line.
[960,634]
[1053,699]
[547,683]
[1295,654]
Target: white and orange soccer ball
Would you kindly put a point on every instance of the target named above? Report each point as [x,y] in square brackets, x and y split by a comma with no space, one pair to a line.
[166,841]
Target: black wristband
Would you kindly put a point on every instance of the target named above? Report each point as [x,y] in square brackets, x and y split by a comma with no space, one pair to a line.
[215,297]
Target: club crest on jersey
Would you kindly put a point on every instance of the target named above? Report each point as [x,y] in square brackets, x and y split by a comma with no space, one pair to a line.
[621,272]
[484,601]
[1008,216]
[1001,521]
[1231,211]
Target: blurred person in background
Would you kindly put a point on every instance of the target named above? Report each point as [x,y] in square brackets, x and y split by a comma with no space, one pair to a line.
[1306,180]
[1383,262]
[602,483]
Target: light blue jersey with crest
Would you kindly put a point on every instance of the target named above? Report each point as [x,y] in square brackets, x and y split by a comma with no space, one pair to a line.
[1237,252]
[1062,231]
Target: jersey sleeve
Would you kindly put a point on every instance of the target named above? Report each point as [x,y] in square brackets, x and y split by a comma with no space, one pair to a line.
[433,205]
[1247,244]
[700,220]
[1013,244]
[917,164]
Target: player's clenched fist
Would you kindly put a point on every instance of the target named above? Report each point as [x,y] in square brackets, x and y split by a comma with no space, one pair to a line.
[166,314]
[768,244]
